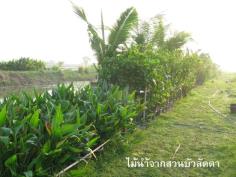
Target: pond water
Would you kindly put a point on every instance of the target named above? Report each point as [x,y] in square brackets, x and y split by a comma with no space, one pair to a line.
[4,91]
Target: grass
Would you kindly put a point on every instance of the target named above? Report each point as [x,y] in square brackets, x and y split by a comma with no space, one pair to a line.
[192,124]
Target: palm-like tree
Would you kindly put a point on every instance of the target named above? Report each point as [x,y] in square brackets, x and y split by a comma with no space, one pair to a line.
[155,33]
[119,33]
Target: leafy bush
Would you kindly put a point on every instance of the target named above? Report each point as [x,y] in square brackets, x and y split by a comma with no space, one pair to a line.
[83,70]
[23,64]
[165,75]
[42,133]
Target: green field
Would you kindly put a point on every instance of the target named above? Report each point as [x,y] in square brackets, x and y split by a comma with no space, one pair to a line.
[191,125]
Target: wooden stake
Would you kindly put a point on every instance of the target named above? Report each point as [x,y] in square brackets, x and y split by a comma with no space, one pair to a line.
[145,100]
[176,151]
[218,112]
[82,159]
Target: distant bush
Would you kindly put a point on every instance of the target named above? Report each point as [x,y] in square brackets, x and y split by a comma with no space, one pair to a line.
[83,70]
[23,64]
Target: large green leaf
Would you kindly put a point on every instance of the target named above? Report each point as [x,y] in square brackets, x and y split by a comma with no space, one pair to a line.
[96,42]
[28,173]
[5,131]
[3,114]
[80,12]
[121,30]
[177,41]
[68,128]
[159,34]
[11,163]
[56,122]
[4,140]
[34,121]
[92,142]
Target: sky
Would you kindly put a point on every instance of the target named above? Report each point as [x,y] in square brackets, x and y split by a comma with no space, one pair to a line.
[51,31]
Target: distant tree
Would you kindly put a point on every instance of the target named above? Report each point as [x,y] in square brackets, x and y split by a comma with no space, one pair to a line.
[23,64]
[86,61]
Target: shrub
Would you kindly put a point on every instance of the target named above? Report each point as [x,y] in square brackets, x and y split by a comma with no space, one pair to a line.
[42,133]
[165,75]
[23,64]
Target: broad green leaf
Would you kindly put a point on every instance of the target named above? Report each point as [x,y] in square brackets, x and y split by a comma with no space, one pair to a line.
[46,147]
[121,30]
[21,124]
[54,152]
[92,142]
[28,173]
[124,112]
[78,118]
[4,140]
[68,128]
[5,131]
[99,109]
[35,162]
[3,114]
[11,163]
[75,150]
[34,121]
[56,122]
[83,119]
[61,143]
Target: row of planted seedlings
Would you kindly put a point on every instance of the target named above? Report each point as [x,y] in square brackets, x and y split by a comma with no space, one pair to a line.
[40,134]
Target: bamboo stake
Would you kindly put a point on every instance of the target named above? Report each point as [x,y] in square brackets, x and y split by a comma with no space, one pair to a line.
[82,159]
[214,109]
[176,151]
[145,100]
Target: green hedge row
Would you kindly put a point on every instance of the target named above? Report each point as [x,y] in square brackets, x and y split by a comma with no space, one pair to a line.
[23,64]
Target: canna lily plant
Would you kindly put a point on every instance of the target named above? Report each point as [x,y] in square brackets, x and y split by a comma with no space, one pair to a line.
[44,132]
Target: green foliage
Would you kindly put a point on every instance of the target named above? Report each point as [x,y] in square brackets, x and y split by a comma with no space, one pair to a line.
[121,30]
[23,64]
[3,116]
[205,133]
[132,68]
[42,133]
[154,33]
[83,70]
[156,64]
[166,75]
[118,35]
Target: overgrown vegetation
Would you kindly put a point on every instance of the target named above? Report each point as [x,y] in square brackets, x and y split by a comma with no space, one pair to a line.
[150,60]
[119,33]
[42,133]
[200,132]
[23,64]
[165,76]
[140,68]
